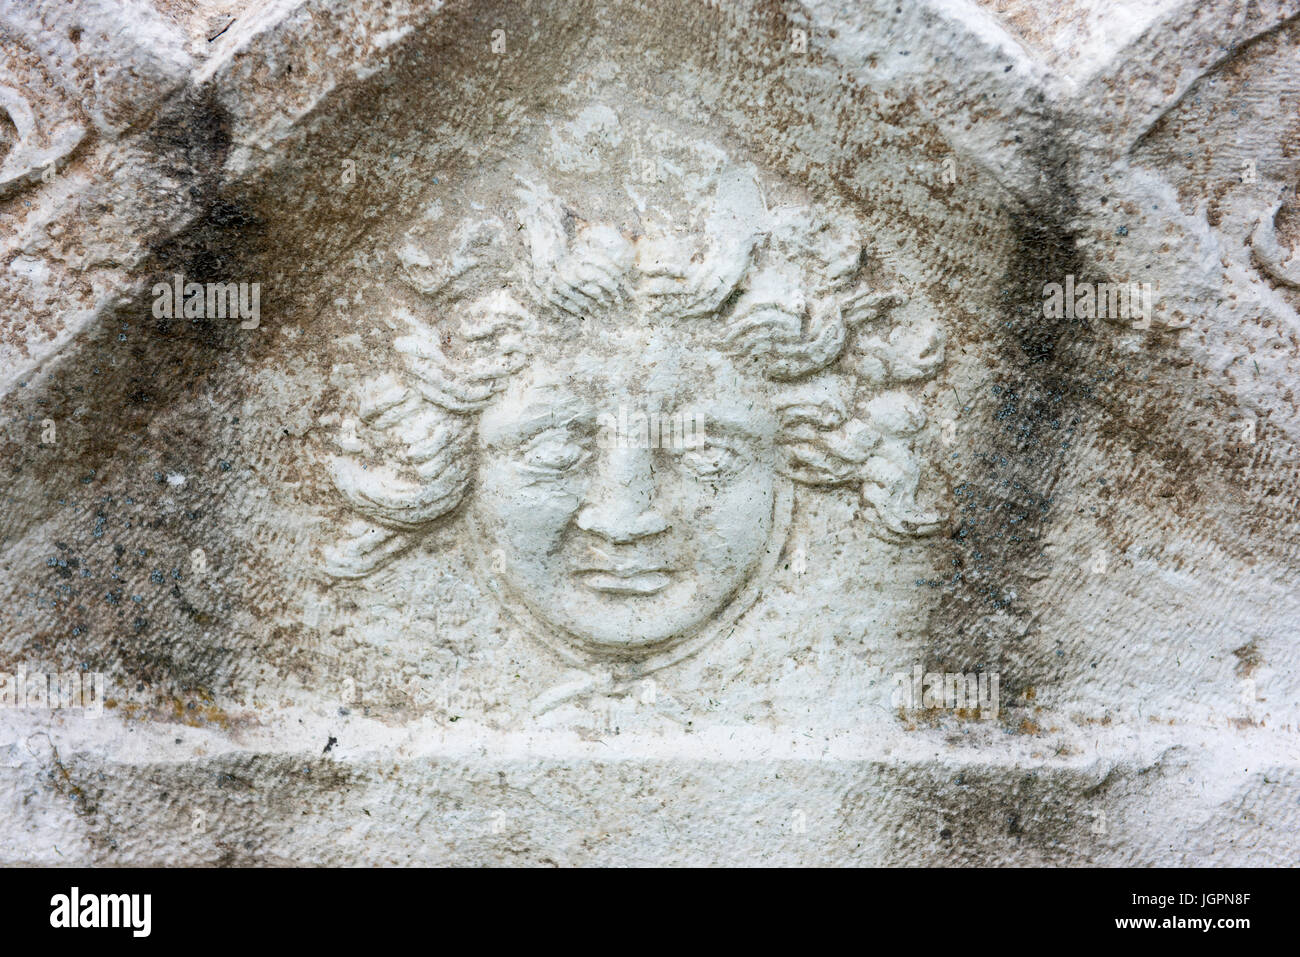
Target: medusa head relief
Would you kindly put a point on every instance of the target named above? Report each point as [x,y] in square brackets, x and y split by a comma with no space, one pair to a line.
[621,412]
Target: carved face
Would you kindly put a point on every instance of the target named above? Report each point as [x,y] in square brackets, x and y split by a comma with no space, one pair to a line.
[581,358]
[621,546]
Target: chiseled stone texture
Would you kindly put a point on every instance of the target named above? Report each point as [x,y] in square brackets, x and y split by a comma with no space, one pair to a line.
[622,409]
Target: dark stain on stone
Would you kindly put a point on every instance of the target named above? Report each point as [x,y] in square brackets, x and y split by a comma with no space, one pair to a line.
[1027,415]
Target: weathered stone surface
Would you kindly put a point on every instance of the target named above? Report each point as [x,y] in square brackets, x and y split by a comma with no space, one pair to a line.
[390,562]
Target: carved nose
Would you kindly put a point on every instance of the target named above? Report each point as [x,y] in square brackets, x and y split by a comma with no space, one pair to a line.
[619,504]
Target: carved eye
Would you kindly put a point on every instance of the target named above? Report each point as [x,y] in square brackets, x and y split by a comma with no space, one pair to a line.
[553,452]
[712,461]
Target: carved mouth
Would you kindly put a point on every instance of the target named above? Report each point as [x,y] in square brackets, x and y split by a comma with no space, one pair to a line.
[625,581]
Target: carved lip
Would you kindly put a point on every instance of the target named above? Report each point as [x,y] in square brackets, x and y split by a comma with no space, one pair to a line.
[625,580]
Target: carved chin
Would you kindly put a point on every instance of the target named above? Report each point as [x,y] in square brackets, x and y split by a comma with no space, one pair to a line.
[624,621]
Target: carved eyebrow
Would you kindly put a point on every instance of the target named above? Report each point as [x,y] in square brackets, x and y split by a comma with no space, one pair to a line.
[538,417]
[725,423]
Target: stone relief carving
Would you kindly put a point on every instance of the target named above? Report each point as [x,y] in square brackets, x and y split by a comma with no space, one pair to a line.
[650,392]
[1282,264]
[37,130]
[543,332]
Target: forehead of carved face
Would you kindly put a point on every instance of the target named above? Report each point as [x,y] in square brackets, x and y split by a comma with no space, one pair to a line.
[627,487]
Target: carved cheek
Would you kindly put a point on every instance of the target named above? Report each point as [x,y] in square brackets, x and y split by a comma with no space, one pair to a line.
[729,524]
